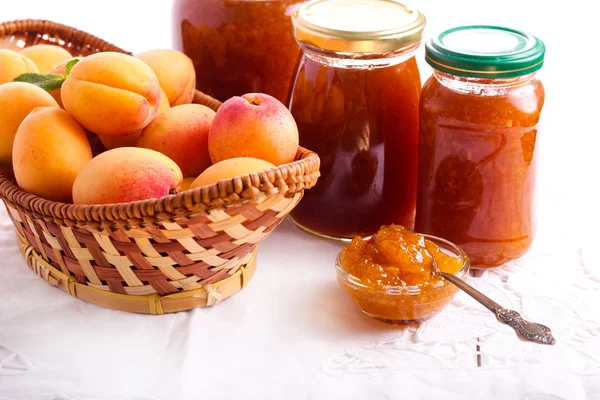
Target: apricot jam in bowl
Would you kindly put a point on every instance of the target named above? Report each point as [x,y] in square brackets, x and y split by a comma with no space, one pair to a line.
[389,275]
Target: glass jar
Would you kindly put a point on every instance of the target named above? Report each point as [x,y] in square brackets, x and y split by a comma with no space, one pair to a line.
[355,100]
[238,46]
[479,127]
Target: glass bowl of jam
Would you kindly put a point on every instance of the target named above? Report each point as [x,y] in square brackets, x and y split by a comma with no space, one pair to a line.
[389,275]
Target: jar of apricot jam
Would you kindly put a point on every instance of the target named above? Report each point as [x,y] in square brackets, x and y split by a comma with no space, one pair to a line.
[355,99]
[238,46]
[477,155]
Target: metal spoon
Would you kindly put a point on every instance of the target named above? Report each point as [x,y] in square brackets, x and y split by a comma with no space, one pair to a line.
[528,331]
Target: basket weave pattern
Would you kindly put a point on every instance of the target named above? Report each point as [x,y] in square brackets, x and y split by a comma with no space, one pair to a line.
[155,256]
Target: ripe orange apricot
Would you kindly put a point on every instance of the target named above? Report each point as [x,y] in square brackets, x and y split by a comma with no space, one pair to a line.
[46,56]
[14,64]
[17,100]
[181,133]
[230,168]
[111,94]
[254,125]
[50,149]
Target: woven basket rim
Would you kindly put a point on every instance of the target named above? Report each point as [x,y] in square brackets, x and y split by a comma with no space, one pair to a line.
[279,177]
[9,28]
[150,207]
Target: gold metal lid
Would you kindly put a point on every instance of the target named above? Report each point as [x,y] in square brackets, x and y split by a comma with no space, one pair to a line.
[358,26]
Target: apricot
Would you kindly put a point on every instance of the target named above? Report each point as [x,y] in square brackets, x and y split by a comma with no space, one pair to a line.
[164,104]
[50,149]
[186,183]
[17,100]
[175,72]
[181,133]
[254,125]
[61,69]
[112,142]
[230,168]
[126,174]
[111,94]
[46,56]
[14,64]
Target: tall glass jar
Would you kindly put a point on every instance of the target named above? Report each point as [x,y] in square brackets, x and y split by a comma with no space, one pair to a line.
[355,100]
[479,128]
[238,46]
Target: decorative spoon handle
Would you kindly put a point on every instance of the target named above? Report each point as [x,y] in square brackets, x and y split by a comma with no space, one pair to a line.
[529,331]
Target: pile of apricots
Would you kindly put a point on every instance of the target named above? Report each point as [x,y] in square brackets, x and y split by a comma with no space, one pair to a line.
[122,128]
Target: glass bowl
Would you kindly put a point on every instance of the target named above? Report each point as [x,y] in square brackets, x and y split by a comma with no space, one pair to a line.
[404,304]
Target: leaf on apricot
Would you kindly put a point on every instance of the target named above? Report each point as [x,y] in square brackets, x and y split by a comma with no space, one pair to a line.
[70,65]
[47,82]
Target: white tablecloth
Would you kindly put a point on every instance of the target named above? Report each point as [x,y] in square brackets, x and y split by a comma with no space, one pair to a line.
[292,333]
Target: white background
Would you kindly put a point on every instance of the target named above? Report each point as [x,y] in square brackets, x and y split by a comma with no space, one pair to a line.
[292,333]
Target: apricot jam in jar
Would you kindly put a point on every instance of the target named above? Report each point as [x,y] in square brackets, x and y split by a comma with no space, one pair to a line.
[355,100]
[238,46]
[478,131]
[390,275]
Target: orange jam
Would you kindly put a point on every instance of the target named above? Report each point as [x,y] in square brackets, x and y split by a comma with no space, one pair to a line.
[238,46]
[477,165]
[364,125]
[391,275]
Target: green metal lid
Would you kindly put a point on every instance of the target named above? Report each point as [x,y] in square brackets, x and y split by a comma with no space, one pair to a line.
[484,51]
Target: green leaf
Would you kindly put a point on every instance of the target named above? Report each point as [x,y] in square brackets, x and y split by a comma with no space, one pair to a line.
[70,65]
[47,82]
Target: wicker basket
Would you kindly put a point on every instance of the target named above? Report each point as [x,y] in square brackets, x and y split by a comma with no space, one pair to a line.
[155,256]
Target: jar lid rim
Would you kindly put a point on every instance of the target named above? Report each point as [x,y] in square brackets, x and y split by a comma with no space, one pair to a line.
[356,26]
[485,51]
